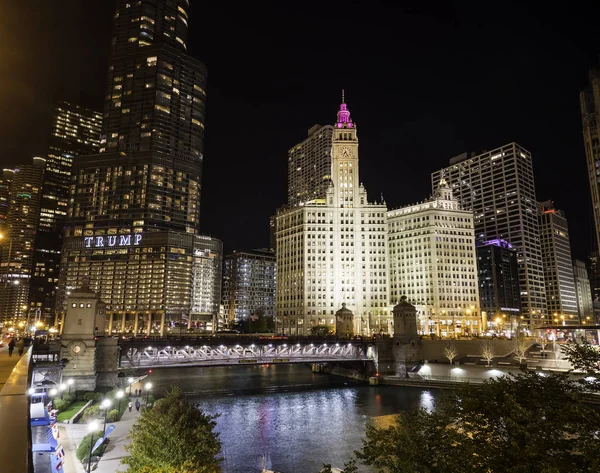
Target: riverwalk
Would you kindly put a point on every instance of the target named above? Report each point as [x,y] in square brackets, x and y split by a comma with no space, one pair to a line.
[72,434]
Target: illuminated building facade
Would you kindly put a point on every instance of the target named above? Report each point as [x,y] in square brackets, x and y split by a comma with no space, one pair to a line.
[589,100]
[498,187]
[433,263]
[333,250]
[75,132]
[249,285]
[143,188]
[498,282]
[18,241]
[583,291]
[309,166]
[561,296]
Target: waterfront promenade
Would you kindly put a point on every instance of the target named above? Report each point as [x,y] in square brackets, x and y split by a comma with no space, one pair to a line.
[72,434]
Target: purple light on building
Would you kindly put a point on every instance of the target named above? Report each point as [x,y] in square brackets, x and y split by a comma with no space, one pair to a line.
[343,116]
[497,242]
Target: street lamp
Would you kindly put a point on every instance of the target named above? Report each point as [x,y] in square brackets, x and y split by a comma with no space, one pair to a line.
[130,381]
[70,382]
[119,395]
[148,388]
[53,392]
[62,388]
[105,405]
[92,427]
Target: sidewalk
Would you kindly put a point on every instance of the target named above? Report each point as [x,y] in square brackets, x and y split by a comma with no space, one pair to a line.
[72,434]
[7,363]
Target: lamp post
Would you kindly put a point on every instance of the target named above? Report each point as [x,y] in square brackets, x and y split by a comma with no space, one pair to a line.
[53,392]
[148,387]
[119,395]
[70,382]
[105,404]
[130,381]
[92,427]
[62,388]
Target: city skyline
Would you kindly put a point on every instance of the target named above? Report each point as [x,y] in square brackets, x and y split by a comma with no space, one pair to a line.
[428,93]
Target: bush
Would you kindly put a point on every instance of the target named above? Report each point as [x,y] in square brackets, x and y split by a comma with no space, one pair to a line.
[60,404]
[92,396]
[92,412]
[83,450]
[69,398]
[112,416]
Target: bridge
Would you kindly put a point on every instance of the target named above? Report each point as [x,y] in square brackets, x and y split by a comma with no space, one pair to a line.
[213,351]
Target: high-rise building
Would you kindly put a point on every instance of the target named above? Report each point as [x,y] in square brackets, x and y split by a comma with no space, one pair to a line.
[593,267]
[75,132]
[333,250]
[249,285]
[432,262]
[18,243]
[561,298]
[309,166]
[498,187]
[589,100]
[583,290]
[498,282]
[134,214]
[207,271]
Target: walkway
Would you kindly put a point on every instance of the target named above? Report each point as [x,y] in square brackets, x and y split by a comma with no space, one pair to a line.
[14,431]
[72,434]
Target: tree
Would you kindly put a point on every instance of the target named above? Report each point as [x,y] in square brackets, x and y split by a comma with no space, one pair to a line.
[173,437]
[487,352]
[521,352]
[583,356]
[450,352]
[514,424]
[321,330]
[542,342]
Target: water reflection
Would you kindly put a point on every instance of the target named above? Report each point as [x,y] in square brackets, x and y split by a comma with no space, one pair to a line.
[426,401]
[295,419]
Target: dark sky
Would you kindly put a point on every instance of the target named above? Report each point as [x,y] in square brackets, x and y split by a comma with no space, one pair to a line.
[424,81]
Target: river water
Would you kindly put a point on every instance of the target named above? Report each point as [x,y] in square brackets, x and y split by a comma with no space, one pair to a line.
[295,419]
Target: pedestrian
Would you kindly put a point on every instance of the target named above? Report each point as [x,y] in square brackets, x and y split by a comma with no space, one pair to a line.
[130,406]
[11,346]
[140,392]
[136,392]
[21,345]
[137,405]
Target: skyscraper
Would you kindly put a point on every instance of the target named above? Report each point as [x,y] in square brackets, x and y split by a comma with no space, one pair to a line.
[583,291]
[333,250]
[309,166]
[25,194]
[498,282]
[589,100]
[133,226]
[498,187]
[75,132]
[432,262]
[561,297]
[249,285]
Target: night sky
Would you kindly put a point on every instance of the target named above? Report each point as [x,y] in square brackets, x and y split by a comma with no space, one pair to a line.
[424,82]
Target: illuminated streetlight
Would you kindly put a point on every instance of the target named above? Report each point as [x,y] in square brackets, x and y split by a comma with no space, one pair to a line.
[62,388]
[70,382]
[148,387]
[119,395]
[92,427]
[130,381]
[105,405]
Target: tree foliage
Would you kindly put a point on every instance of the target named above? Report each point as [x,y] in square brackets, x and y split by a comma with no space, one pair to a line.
[487,352]
[521,351]
[515,424]
[173,437]
[583,356]
[321,330]
[83,449]
[450,352]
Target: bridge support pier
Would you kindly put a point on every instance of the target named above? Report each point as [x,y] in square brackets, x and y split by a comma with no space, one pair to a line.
[149,324]
[123,317]
[110,323]
[316,367]
[162,324]
[135,323]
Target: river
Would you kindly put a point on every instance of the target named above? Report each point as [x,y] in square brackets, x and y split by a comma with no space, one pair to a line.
[295,419]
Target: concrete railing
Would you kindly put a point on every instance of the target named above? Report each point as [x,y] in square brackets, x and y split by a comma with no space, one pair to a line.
[15,428]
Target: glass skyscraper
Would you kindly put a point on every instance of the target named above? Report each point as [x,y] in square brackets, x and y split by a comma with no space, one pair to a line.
[134,214]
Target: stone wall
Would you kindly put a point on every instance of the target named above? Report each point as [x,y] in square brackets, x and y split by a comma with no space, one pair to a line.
[433,350]
[107,362]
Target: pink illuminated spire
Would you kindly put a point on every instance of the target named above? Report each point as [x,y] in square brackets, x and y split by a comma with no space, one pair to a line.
[343,116]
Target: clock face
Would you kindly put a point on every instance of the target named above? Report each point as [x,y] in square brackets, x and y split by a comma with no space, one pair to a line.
[346,152]
[77,348]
